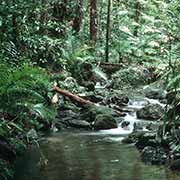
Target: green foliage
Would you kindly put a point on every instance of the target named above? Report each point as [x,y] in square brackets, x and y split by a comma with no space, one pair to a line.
[174,77]
[24,91]
[5,172]
[36,34]
[73,51]
[131,76]
[45,51]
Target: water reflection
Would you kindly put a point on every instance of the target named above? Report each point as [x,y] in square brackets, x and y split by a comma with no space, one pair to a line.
[74,156]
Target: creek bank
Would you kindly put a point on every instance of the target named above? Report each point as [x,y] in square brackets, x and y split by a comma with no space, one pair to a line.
[116,94]
[151,112]
[113,106]
[111,99]
[7,151]
[153,149]
[89,117]
[160,146]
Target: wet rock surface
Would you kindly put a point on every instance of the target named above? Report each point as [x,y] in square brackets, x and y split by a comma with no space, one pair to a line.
[80,124]
[131,76]
[153,155]
[105,122]
[175,165]
[89,117]
[122,97]
[151,112]
[116,99]
[7,151]
[153,92]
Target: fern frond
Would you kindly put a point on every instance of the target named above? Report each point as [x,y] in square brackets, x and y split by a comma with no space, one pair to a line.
[20,94]
[174,82]
[100,73]
[42,110]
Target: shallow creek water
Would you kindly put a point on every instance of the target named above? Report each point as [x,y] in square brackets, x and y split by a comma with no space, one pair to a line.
[84,155]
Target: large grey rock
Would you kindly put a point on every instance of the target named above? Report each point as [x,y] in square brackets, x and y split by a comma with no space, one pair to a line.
[153,155]
[101,117]
[175,165]
[92,111]
[80,124]
[104,122]
[117,99]
[154,93]
[151,112]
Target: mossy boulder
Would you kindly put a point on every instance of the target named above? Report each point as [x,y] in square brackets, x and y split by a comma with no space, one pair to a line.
[91,112]
[153,155]
[87,74]
[131,76]
[105,122]
[151,112]
[79,124]
[101,117]
[154,93]
[133,137]
[147,139]
[117,99]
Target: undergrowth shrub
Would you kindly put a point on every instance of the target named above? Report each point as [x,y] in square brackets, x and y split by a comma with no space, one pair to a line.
[25,97]
[131,76]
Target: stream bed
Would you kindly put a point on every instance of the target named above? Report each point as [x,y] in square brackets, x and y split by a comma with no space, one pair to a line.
[89,155]
[83,156]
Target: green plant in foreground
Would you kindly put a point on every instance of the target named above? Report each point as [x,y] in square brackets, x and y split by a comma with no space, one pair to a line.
[24,93]
[5,172]
[25,107]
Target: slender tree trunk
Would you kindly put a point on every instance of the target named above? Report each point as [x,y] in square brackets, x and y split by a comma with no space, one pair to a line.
[60,11]
[15,26]
[137,16]
[93,20]
[108,31]
[78,17]
[44,16]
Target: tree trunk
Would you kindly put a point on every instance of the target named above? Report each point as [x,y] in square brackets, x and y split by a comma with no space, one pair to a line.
[73,97]
[137,16]
[93,20]
[59,10]
[79,100]
[78,17]
[108,31]
[44,16]
[15,27]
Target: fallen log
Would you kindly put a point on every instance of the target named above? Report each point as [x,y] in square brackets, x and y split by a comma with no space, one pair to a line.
[73,97]
[81,101]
